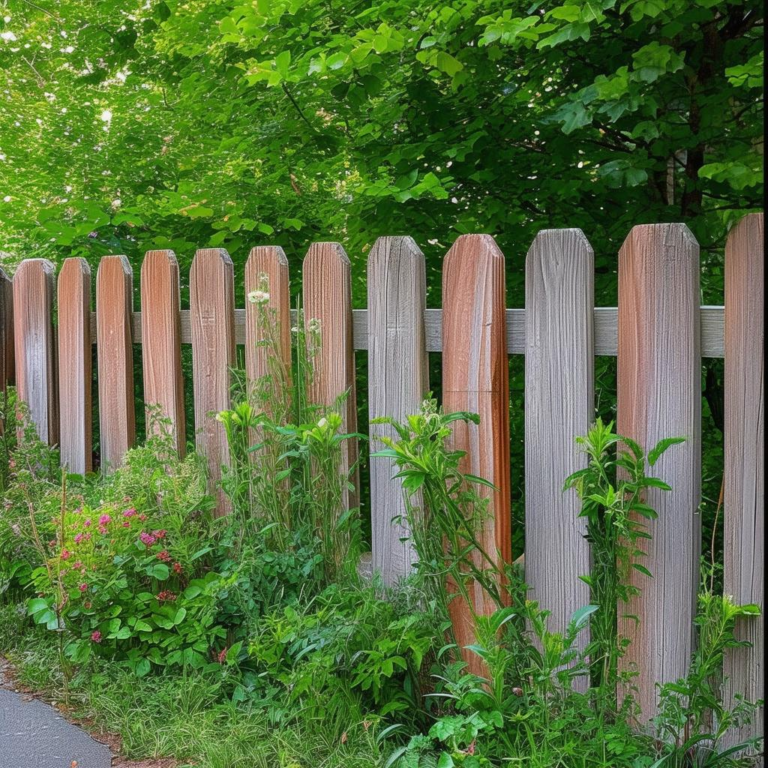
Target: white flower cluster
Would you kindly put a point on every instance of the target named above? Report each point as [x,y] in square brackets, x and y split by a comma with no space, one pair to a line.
[258,297]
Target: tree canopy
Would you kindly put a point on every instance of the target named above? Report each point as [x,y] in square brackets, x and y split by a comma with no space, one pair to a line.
[140,124]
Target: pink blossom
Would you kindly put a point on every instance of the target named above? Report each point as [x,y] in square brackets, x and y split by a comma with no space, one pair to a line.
[104,519]
[65,555]
[222,657]
[142,517]
[166,594]
[87,536]
[83,587]
[164,556]
[129,512]
[96,636]
[177,568]
[77,566]
[87,522]
[102,530]
[126,524]
[78,538]
[159,534]
[147,538]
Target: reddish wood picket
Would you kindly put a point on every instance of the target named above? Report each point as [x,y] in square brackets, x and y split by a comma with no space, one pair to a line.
[328,299]
[6,332]
[476,379]
[75,366]
[744,499]
[398,380]
[35,345]
[268,260]
[114,305]
[559,407]
[161,343]
[212,302]
[659,395]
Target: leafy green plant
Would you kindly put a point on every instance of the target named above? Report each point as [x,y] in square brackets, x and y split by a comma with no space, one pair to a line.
[443,508]
[612,490]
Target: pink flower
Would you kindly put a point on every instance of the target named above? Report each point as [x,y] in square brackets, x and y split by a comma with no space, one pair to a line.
[129,512]
[78,538]
[65,555]
[87,522]
[166,595]
[77,566]
[147,538]
[142,517]
[159,534]
[96,636]
[126,524]
[222,657]
[164,556]
[83,587]
[104,519]
[52,543]
[102,530]
[177,568]
[87,536]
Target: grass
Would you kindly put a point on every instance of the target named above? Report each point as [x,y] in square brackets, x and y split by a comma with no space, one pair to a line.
[188,718]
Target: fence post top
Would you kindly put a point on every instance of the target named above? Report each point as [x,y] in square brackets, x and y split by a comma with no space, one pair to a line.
[209,254]
[658,234]
[475,246]
[108,261]
[47,265]
[384,244]
[76,262]
[265,251]
[319,250]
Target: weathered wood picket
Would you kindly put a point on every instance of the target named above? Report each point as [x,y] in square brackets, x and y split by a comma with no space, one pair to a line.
[659,333]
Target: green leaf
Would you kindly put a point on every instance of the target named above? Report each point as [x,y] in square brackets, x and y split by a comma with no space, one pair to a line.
[160,571]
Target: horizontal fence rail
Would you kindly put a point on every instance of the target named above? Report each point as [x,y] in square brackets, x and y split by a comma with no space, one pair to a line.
[605,320]
[658,333]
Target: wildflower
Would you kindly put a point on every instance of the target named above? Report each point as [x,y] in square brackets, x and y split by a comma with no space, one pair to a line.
[142,517]
[102,530]
[83,587]
[96,636]
[65,555]
[52,543]
[87,537]
[87,522]
[129,512]
[164,556]
[517,691]
[147,538]
[77,566]
[166,595]
[104,519]
[258,297]
[177,568]
[126,524]
[78,538]
[222,657]
[160,534]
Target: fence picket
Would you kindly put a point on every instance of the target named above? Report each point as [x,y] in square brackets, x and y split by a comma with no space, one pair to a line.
[212,302]
[659,395]
[398,380]
[328,298]
[161,343]
[6,332]
[75,365]
[35,345]
[114,306]
[744,500]
[559,406]
[476,379]
[269,260]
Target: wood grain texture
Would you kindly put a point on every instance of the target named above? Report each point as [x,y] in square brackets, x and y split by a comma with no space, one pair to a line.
[35,345]
[268,260]
[606,330]
[476,379]
[161,335]
[659,395]
[117,415]
[328,298]
[212,302]
[744,497]
[6,332]
[75,366]
[559,407]
[398,380]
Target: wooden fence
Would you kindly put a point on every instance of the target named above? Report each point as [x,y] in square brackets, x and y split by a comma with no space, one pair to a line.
[659,333]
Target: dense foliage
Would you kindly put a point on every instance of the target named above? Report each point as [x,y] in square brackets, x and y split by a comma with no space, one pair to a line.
[132,125]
